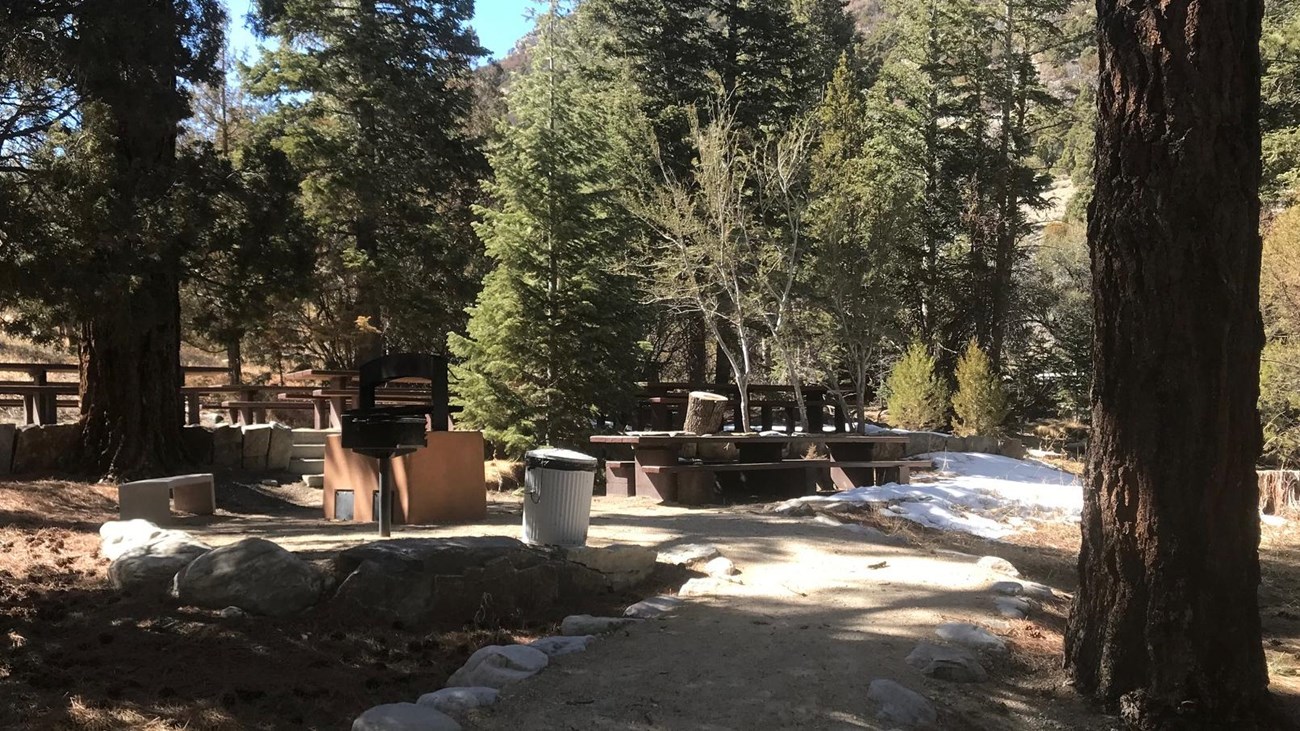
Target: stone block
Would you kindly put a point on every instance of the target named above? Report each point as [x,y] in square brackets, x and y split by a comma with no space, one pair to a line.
[147,500]
[8,435]
[623,566]
[198,444]
[924,442]
[280,449]
[46,448]
[227,446]
[257,443]
[1013,448]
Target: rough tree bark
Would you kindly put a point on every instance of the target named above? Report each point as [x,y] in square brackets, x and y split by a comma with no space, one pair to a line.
[130,350]
[130,382]
[1165,625]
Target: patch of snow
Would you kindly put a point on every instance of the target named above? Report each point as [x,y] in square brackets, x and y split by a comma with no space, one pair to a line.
[986,495]
[1274,520]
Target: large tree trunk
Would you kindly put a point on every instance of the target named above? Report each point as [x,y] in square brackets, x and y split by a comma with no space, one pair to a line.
[130,382]
[130,348]
[1165,625]
[235,360]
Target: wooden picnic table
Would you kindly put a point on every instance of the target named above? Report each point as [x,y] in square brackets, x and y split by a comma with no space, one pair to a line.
[658,471]
[40,396]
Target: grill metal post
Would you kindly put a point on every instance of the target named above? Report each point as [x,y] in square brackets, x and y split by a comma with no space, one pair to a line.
[385,497]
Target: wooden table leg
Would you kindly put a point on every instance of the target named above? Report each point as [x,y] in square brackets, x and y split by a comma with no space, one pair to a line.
[847,478]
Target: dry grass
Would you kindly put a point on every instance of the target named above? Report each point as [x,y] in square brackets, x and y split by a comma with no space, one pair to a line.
[503,475]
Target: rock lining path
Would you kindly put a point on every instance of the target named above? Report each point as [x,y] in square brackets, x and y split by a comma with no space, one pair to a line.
[793,641]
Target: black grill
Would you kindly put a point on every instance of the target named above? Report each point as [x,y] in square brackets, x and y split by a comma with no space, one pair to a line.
[384,432]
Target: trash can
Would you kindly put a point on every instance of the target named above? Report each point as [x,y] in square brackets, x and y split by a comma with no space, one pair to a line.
[557,497]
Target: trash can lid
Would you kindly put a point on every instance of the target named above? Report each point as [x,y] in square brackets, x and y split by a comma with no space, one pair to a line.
[560,459]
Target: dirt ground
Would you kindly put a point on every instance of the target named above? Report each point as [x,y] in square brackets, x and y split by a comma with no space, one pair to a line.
[816,615]
[76,655]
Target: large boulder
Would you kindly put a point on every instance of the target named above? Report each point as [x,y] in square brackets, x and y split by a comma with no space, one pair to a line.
[45,448]
[255,575]
[421,582]
[497,666]
[152,568]
[119,537]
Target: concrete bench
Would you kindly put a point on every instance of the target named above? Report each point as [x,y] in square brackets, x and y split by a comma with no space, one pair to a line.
[153,500]
[195,494]
[146,499]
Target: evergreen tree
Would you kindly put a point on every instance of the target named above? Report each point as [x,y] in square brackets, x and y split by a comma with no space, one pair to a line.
[371,101]
[1280,100]
[980,405]
[915,395]
[98,215]
[254,251]
[553,337]
[864,208]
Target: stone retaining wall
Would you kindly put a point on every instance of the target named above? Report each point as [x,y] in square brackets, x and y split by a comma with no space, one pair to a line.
[48,449]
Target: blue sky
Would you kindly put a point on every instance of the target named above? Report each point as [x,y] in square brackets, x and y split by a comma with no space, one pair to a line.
[499,24]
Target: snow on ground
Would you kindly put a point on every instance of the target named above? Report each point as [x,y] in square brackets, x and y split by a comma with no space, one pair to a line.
[983,494]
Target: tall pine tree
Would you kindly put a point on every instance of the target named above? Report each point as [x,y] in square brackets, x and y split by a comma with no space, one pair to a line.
[371,100]
[553,337]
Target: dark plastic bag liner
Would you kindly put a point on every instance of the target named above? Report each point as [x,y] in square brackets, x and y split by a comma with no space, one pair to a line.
[560,459]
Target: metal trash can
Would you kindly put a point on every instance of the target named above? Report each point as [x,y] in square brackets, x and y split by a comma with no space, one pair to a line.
[558,484]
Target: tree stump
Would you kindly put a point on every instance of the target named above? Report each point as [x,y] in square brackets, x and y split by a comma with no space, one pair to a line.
[704,414]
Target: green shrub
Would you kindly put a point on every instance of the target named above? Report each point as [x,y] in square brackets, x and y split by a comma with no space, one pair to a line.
[915,395]
[980,404]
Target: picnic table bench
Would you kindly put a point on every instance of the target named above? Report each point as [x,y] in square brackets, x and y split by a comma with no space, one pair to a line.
[658,471]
